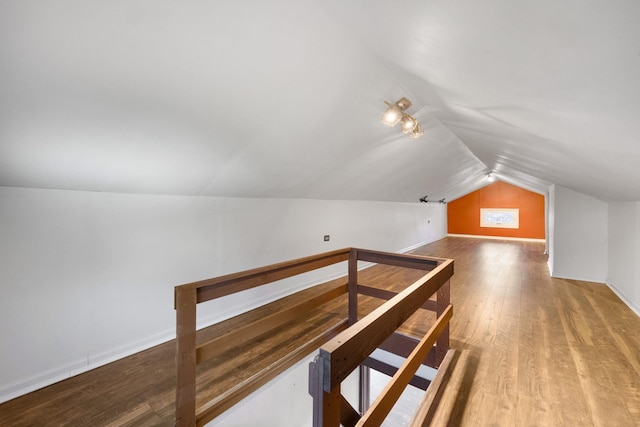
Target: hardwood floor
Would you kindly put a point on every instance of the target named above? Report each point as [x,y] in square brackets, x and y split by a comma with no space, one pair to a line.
[531,350]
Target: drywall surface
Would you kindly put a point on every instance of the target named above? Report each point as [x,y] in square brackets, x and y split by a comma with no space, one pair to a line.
[634,300]
[88,277]
[283,402]
[551,223]
[463,214]
[578,242]
[624,252]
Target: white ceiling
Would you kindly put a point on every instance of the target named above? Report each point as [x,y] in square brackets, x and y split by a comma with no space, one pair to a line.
[283,98]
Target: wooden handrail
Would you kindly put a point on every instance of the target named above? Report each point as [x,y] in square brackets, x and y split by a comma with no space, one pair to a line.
[385,294]
[387,318]
[352,348]
[188,355]
[403,260]
[347,351]
[429,403]
[391,393]
[231,283]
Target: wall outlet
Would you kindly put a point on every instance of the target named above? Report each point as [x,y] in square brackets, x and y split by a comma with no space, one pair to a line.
[326,237]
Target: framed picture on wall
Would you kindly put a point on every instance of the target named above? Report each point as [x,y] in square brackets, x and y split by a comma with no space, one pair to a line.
[499,218]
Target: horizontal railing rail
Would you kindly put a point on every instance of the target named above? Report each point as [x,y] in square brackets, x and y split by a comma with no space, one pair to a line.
[350,349]
[391,393]
[189,353]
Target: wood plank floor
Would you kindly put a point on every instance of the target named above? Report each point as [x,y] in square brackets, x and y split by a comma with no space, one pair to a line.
[532,350]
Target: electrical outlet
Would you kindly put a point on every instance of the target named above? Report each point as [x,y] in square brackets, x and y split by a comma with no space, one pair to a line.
[326,237]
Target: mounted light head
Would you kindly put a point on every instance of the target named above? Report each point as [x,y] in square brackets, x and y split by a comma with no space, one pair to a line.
[395,114]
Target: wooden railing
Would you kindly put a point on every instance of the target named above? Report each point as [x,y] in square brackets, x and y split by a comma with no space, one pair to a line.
[352,348]
[375,330]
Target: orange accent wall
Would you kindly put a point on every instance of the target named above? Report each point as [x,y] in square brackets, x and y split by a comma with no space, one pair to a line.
[463,214]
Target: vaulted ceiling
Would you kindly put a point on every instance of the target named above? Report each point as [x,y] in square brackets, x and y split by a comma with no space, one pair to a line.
[284,98]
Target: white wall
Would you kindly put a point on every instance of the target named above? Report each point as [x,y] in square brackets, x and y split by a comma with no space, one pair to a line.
[624,252]
[578,236]
[290,390]
[551,226]
[88,277]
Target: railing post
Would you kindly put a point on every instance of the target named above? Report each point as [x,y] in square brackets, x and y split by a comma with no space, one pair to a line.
[365,389]
[185,301]
[442,343]
[315,390]
[331,407]
[353,286]
[326,405]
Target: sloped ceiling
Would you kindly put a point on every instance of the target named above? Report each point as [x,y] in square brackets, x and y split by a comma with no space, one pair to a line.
[283,98]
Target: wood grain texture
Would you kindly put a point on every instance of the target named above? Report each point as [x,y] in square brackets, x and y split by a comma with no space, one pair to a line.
[567,352]
[185,303]
[534,350]
[390,394]
[347,351]
[251,330]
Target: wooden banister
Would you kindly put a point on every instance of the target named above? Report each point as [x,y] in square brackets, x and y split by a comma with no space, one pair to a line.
[237,282]
[340,354]
[429,403]
[347,351]
[188,355]
[390,394]
[385,294]
[354,347]
[404,260]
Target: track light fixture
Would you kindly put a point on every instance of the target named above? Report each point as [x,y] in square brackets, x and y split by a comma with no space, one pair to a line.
[396,113]
[424,199]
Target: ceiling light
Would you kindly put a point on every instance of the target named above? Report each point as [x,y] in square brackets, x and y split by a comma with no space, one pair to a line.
[490,177]
[395,114]
[417,131]
[392,116]
[408,123]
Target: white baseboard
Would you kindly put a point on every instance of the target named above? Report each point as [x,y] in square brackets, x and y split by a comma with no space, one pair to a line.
[412,247]
[53,376]
[519,239]
[634,307]
[599,280]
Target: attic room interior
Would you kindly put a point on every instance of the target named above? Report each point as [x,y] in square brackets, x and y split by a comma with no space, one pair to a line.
[147,145]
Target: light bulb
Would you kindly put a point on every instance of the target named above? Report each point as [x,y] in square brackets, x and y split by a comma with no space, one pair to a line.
[417,132]
[392,115]
[408,123]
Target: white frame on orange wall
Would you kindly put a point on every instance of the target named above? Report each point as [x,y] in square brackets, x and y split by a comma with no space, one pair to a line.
[499,218]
